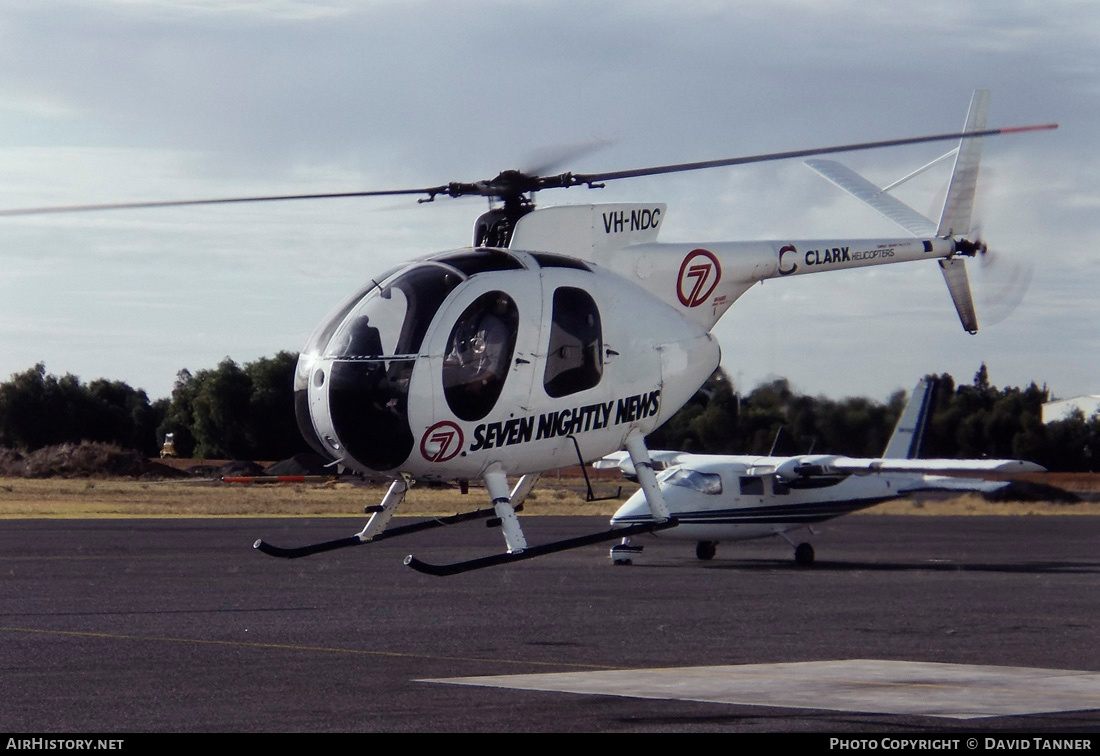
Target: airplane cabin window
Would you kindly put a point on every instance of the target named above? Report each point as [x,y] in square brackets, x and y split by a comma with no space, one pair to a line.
[752,485]
[574,360]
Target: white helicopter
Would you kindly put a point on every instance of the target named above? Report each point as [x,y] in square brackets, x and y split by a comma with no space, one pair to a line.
[564,334]
[720,498]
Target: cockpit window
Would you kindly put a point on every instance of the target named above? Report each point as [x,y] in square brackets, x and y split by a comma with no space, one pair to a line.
[390,319]
[708,483]
[479,355]
[472,262]
[551,260]
[574,360]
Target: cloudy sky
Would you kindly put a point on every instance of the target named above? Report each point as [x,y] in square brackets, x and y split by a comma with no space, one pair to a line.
[116,100]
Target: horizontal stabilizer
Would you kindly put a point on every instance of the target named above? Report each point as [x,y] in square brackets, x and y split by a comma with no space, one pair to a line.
[958,284]
[885,203]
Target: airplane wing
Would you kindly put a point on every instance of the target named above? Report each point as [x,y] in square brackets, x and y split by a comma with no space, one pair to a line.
[975,467]
[810,465]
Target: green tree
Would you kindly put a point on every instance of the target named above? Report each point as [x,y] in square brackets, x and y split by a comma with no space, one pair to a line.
[179,415]
[273,430]
[39,409]
[235,412]
[220,412]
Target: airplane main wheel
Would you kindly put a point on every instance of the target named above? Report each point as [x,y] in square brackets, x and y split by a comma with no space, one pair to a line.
[804,554]
[706,549]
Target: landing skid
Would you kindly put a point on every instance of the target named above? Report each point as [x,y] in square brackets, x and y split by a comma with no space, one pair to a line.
[357,540]
[531,552]
[503,514]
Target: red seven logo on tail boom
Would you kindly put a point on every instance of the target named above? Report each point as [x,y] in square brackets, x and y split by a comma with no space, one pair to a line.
[699,275]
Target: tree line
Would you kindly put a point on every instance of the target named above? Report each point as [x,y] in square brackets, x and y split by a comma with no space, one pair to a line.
[247,412]
[967,421]
[229,412]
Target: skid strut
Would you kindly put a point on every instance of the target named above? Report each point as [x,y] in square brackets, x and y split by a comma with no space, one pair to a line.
[518,549]
[375,529]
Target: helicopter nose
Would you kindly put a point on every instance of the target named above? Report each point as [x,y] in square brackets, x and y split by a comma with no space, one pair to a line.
[302,414]
[368,411]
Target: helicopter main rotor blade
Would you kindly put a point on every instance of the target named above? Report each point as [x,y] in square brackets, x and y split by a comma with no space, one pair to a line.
[430,192]
[512,186]
[589,178]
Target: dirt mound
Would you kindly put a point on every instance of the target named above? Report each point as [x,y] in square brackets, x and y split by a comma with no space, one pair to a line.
[84,460]
[156,470]
[241,468]
[299,464]
[11,463]
[88,459]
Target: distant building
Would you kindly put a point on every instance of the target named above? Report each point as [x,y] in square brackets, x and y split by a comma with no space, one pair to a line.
[1063,408]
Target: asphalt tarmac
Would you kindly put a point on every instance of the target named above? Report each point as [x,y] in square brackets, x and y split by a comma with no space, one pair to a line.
[905,624]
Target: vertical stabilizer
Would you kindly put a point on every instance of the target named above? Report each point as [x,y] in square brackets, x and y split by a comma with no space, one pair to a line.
[908,433]
[958,207]
[958,284]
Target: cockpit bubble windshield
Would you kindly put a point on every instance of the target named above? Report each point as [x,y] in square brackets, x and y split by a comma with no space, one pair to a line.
[390,319]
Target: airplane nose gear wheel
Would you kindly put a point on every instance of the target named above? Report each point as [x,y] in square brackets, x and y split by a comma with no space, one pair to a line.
[804,555]
[705,550]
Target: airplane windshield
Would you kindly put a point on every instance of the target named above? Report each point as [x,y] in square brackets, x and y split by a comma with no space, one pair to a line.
[708,483]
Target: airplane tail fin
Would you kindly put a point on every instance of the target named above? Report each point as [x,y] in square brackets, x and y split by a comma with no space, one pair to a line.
[958,207]
[909,432]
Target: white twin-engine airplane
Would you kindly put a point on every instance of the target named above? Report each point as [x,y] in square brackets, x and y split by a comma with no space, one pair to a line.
[720,498]
[563,335]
